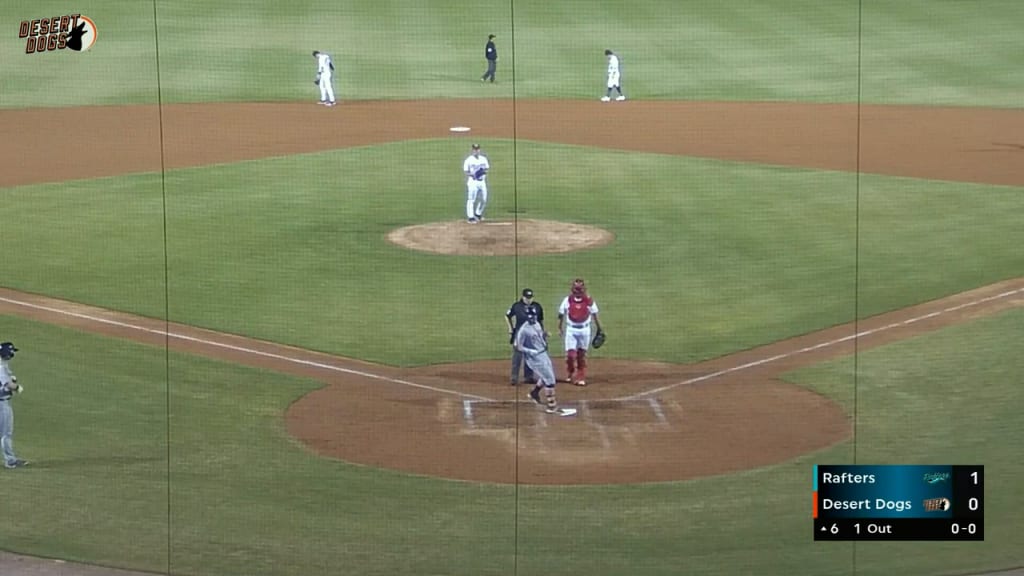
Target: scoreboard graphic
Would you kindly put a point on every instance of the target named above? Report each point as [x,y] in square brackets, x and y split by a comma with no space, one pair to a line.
[899,502]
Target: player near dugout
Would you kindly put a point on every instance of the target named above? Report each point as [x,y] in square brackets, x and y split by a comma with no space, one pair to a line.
[8,388]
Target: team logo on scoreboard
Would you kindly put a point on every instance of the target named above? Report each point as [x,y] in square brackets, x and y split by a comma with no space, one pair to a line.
[936,477]
[937,505]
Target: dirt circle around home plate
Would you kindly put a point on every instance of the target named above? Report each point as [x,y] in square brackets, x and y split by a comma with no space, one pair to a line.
[503,237]
[637,421]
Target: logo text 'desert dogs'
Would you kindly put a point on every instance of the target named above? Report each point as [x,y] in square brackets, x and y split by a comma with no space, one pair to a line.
[68,32]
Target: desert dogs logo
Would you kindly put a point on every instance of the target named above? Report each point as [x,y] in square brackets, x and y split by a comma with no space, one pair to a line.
[937,505]
[69,32]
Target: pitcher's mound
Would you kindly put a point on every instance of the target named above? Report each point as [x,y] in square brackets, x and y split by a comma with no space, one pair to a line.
[500,237]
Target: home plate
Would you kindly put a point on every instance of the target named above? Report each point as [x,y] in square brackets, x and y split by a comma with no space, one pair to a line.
[566,411]
[459,128]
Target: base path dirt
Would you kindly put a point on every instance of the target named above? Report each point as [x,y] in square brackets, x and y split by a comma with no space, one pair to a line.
[945,143]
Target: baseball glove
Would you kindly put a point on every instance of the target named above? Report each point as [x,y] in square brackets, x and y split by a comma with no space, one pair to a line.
[599,339]
[479,174]
[317,80]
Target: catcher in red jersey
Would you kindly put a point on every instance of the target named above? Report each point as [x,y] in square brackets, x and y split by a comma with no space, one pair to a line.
[576,314]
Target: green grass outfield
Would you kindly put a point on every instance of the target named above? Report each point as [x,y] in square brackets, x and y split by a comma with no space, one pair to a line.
[890,51]
[710,257]
[232,495]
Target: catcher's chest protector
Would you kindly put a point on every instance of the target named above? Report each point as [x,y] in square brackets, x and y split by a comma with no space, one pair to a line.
[579,311]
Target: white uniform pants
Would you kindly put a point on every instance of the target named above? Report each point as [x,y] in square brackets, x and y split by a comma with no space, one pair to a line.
[577,338]
[476,198]
[326,88]
[7,432]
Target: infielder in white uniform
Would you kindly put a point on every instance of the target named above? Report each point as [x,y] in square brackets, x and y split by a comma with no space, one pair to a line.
[325,77]
[614,77]
[475,167]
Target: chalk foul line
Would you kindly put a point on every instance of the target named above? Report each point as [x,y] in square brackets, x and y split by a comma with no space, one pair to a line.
[820,345]
[407,383]
[242,349]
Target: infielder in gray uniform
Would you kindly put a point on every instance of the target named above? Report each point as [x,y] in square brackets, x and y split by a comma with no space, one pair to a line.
[8,387]
[531,342]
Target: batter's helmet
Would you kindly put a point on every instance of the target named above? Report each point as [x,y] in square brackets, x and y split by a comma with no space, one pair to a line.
[7,350]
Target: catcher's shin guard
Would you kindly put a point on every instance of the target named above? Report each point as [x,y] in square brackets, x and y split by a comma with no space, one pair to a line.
[570,362]
[581,365]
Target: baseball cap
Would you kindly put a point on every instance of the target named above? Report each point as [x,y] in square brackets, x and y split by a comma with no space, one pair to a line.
[7,350]
[476,146]
[528,293]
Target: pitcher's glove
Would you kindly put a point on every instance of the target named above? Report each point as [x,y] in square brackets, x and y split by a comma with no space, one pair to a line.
[479,174]
[317,80]
[599,339]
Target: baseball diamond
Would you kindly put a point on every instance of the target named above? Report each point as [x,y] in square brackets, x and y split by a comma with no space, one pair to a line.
[638,421]
[722,421]
[258,259]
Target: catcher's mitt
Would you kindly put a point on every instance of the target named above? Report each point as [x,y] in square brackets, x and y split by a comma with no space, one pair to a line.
[479,174]
[599,339]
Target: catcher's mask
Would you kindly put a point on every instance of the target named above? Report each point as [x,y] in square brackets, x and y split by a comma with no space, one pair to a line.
[7,350]
[578,287]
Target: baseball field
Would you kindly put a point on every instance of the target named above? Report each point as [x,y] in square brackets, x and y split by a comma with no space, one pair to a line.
[257,336]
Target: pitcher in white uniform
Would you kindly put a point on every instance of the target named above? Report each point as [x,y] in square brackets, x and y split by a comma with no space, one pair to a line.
[476,166]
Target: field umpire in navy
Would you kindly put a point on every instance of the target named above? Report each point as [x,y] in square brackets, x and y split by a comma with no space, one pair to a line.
[519,312]
[491,54]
